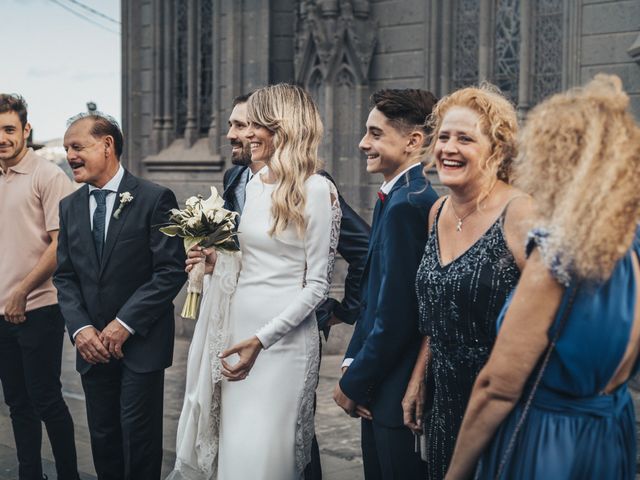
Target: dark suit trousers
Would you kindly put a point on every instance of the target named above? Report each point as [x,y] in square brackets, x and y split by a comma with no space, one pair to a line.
[124,411]
[389,453]
[30,363]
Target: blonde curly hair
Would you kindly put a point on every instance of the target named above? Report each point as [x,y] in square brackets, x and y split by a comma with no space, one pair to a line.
[290,113]
[498,121]
[580,160]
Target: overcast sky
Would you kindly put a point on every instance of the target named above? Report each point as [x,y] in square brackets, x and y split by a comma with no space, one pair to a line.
[58,61]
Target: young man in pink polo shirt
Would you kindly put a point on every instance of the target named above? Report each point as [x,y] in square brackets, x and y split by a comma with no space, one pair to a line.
[31,325]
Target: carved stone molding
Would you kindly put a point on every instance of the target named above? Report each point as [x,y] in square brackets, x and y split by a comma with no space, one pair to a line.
[333,35]
[634,51]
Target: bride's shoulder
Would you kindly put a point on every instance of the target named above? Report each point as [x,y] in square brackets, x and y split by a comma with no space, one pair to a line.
[317,184]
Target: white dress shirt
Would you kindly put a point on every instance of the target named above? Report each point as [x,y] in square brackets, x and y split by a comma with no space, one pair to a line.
[110,202]
[385,188]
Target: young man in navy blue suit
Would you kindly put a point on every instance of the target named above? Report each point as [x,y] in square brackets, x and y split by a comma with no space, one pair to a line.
[385,343]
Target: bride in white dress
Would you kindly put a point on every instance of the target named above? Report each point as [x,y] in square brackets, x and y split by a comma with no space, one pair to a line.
[288,235]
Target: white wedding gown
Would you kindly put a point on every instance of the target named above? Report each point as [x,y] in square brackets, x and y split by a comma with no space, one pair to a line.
[260,427]
[266,422]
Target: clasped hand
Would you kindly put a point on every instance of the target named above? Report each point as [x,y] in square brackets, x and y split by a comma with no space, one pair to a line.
[98,347]
[349,406]
[198,254]
[248,351]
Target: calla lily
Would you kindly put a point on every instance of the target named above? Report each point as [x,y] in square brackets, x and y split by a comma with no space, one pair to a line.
[214,202]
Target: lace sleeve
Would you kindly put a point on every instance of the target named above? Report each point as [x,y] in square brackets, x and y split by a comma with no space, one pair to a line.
[336,218]
[559,267]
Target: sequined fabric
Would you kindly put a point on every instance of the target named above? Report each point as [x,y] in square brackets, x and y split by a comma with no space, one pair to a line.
[459,304]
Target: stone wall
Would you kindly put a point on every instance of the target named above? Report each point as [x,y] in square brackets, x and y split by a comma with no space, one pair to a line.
[609,31]
[342,51]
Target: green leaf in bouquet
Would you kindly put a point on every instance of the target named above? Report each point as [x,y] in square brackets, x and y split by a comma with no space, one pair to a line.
[229,245]
[190,242]
[171,230]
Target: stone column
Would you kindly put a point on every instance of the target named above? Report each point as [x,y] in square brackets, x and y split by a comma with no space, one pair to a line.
[433,47]
[158,84]
[445,60]
[485,42]
[168,29]
[214,125]
[191,128]
[526,64]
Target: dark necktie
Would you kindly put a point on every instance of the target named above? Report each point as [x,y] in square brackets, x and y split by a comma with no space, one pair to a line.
[98,220]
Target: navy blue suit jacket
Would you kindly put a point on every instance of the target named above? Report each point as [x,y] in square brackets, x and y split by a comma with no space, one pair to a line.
[229,183]
[386,339]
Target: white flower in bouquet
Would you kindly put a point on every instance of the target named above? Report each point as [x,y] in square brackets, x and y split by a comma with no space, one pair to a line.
[208,224]
[193,201]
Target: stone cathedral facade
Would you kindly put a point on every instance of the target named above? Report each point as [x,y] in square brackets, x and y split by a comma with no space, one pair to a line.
[185,60]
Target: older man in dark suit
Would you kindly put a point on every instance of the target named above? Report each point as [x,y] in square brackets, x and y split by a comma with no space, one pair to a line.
[117,276]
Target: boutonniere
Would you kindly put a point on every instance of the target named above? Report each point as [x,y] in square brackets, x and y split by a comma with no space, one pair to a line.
[125,198]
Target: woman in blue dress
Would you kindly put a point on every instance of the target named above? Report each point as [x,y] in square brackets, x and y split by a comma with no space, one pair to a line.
[580,160]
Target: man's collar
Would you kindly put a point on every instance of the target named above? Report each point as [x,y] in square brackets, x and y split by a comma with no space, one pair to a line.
[387,186]
[112,184]
[26,164]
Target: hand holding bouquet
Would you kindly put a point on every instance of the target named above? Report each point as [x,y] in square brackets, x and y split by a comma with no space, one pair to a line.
[205,223]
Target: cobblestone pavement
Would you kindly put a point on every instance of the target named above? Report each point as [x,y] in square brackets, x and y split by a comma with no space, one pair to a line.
[338,435]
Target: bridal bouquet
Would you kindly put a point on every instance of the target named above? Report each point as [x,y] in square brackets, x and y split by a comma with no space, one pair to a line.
[205,223]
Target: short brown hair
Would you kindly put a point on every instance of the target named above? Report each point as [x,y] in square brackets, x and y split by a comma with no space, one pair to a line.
[407,109]
[11,102]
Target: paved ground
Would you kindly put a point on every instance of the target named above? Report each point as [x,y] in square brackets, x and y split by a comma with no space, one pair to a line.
[338,434]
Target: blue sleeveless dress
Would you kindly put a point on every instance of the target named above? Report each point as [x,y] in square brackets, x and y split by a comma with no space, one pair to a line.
[572,430]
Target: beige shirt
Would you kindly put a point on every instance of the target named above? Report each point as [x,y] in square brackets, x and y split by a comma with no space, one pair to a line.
[29,195]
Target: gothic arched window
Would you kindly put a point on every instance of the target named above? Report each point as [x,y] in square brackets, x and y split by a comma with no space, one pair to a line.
[465,52]
[547,68]
[507,47]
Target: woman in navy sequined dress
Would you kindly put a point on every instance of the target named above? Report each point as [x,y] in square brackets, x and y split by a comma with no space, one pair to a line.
[472,260]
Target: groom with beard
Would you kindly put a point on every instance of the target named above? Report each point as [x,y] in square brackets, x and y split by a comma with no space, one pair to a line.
[117,277]
[353,242]
[236,178]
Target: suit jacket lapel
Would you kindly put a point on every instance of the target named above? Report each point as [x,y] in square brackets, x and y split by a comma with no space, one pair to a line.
[412,174]
[373,239]
[377,213]
[231,186]
[128,184]
[81,212]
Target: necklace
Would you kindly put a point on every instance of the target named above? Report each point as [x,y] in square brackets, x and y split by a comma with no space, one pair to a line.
[459,218]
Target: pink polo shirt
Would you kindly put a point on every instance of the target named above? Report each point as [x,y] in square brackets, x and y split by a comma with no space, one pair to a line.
[29,195]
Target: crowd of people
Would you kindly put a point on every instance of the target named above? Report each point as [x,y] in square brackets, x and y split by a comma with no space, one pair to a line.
[496,327]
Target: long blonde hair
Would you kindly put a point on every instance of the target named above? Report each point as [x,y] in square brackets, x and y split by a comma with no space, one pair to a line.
[580,160]
[289,112]
[498,121]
